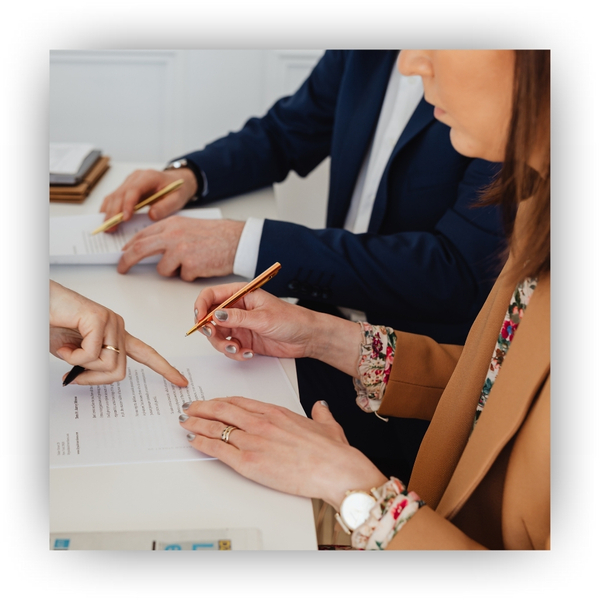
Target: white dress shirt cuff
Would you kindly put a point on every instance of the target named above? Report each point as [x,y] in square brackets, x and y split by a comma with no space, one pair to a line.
[246,256]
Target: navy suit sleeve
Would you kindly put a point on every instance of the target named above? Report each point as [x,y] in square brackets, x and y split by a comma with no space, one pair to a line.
[439,276]
[295,134]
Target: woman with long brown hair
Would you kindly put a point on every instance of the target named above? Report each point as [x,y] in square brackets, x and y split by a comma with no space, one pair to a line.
[482,475]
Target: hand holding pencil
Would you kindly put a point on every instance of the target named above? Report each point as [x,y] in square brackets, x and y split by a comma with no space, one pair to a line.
[118,218]
[235,297]
[144,183]
[260,323]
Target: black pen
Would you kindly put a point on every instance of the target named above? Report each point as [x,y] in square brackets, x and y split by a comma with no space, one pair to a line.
[73,373]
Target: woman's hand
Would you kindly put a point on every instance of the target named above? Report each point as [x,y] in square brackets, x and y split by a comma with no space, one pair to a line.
[260,323]
[281,449]
[83,332]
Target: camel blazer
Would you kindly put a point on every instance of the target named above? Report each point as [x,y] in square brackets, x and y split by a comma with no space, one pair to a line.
[490,489]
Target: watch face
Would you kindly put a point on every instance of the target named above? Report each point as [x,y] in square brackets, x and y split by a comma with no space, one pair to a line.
[355,508]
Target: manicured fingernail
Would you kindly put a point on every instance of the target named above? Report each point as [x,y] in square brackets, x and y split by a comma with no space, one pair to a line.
[195,315]
[206,331]
[248,355]
[186,405]
[190,436]
[231,349]
[324,403]
[221,315]
[183,418]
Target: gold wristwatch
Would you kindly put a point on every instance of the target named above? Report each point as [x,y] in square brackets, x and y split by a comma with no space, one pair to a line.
[355,509]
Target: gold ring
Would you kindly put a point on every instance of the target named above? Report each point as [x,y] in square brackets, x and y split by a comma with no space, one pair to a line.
[227,432]
[112,348]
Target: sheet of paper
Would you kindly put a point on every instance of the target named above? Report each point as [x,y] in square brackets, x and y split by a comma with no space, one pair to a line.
[137,419]
[71,241]
[65,159]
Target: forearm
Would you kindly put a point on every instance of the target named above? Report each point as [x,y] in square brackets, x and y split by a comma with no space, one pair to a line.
[335,341]
[64,305]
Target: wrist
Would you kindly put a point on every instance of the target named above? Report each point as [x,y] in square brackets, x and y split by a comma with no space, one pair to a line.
[190,183]
[233,235]
[193,180]
[335,341]
[370,477]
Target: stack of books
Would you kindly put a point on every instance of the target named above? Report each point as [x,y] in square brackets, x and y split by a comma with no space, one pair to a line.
[74,170]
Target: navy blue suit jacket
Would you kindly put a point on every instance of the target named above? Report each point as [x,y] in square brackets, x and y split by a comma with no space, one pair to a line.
[428,260]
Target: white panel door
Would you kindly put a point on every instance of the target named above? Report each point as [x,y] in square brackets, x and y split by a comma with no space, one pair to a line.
[127,103]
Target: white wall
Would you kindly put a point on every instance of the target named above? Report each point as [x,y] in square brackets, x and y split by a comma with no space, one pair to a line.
[154,105]
[151,105]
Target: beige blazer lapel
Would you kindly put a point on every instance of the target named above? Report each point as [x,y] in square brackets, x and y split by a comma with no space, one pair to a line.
[525,368]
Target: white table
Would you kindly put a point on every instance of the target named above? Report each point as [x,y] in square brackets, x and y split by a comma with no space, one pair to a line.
[167,496]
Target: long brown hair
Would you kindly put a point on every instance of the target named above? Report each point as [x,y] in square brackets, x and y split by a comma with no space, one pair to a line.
[529,129]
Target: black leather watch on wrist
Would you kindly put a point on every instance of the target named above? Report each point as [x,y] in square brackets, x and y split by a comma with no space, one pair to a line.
[182,163]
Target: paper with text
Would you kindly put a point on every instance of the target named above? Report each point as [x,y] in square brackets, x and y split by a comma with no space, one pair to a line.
[137,419]
[72,242]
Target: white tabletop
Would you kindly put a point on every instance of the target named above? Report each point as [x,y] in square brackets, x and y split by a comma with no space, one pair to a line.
[167,496]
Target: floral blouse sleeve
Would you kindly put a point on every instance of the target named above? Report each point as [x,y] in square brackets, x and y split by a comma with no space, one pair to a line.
[395,505]
[375,365]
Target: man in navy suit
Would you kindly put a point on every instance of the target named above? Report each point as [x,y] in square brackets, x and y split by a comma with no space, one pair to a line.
[403,244]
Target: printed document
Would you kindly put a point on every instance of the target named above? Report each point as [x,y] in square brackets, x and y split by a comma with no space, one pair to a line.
[72,242]
[137,419]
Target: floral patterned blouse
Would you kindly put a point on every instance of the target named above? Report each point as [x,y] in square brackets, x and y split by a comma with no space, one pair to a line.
[375,365]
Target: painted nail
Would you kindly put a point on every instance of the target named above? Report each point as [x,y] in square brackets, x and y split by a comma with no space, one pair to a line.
[221,315]
[231,349]
[195,315]
[248,355]
[190,436]
[183,418]
[206,331]
[186,405]
[324,403]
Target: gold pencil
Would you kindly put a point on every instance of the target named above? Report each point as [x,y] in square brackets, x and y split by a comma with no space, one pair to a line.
[250,287]
[119,217]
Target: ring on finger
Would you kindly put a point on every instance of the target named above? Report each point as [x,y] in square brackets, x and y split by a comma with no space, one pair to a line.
[107,347]
[227,432]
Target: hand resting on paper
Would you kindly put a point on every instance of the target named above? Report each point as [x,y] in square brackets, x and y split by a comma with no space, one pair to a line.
[80,330]
[260,323]
[142,184]
[190,247]
[281,449]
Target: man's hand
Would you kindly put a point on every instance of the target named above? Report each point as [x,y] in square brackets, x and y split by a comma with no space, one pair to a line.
[194,247]
[142,184]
